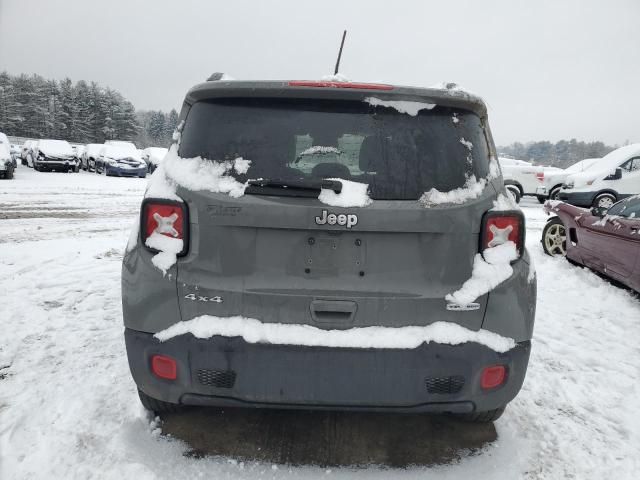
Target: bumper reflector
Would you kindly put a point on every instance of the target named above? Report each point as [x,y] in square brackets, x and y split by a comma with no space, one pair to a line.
[164,367]
[493,377]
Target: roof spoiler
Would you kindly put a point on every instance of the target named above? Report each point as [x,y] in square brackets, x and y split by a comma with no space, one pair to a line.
[217,76]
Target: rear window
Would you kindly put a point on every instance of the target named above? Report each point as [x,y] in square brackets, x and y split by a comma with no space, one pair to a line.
[398,155]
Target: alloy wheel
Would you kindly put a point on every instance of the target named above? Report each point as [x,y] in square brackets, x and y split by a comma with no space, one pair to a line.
[555,240]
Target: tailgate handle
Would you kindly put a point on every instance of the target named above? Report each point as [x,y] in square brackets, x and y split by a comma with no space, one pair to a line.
[333,312]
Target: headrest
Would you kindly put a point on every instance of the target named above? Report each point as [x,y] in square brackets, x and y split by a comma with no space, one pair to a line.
[331,170]
[371,154]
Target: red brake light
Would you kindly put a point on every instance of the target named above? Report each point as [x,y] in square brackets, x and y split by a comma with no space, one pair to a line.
[361,86]
[501,227]
[164,367]
[540,176]
[165,217]
[493,377]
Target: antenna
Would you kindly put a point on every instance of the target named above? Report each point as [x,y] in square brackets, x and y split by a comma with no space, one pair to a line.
[344,34]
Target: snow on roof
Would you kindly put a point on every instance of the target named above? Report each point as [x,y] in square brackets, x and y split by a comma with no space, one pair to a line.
[255,331]
[604,166]
[581,166]
[156,154]
[455,89]
[403,106]
[117,151]
[338,77]
[121,144]
[56,148]
[94,148]
[617,157]
[5,152]
[513,161]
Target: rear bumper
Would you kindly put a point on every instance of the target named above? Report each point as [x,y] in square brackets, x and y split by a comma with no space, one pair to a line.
[55,164]
[579,199]
[126,172]
[224,371]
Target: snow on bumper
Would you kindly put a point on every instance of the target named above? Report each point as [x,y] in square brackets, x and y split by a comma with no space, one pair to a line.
[223,371]
[254,331]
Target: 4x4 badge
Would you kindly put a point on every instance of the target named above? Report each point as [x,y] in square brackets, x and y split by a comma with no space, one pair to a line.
[463,308]
[347,220]
[202,298]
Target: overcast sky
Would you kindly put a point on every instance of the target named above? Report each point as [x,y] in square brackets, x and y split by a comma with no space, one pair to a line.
[547,69]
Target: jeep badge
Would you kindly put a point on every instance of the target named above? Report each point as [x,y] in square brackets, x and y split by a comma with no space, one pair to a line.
[349,220]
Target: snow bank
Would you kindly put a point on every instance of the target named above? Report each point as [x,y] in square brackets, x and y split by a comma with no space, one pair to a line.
[487,274]
[353,194]
[254,331]
[403,106]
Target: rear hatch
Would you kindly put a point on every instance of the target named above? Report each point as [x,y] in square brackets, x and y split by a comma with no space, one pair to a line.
[277,254]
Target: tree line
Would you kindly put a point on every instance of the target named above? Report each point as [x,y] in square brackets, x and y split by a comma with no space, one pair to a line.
[560,154]
[82,112]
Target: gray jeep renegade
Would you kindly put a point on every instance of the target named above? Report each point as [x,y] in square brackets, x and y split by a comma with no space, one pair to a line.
[278,298]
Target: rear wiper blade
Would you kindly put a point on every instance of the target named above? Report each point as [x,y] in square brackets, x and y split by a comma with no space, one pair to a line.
[334,185]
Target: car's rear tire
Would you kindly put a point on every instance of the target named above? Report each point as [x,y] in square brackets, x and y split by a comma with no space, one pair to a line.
[157,406]
[604,200]
[554,238]
[483,417]
[515,193]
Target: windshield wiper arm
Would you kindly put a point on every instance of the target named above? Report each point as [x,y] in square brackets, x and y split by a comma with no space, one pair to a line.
[334,185]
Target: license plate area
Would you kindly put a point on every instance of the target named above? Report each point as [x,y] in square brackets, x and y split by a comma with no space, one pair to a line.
[331,254]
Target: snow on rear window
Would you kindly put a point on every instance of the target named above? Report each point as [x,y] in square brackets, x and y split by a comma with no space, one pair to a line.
[403,106]
[353,194]
[196,174]
[472,189]
[398,155]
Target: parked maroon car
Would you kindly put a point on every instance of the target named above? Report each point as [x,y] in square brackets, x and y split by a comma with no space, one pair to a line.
[607,241]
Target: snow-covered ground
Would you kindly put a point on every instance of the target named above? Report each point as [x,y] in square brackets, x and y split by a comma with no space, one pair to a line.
[68,407]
